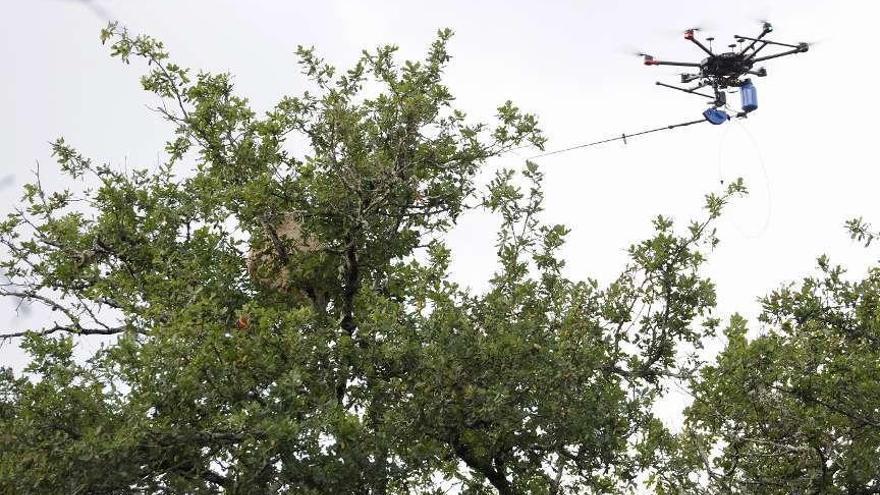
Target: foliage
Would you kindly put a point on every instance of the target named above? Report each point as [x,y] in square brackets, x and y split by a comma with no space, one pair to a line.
[794,410]
[378,373]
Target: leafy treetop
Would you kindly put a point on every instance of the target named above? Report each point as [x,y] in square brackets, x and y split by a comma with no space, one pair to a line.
[370,371]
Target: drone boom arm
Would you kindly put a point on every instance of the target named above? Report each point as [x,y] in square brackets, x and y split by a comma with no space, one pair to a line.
[767,30]
[800,49]
[689,35]
[664,62]
[766,42]
[755,52]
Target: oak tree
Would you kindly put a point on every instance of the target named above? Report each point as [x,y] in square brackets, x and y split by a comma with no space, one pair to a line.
[283,318]
[795,409]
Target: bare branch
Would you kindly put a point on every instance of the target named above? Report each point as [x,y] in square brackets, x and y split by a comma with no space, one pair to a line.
[72,329]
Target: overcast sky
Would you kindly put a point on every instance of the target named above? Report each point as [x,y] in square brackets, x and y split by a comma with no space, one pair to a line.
[808,153]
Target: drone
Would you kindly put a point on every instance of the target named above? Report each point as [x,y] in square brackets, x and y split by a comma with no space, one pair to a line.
[730,69]
[718,71]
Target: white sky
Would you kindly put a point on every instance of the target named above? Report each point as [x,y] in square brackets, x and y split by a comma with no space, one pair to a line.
[808,153]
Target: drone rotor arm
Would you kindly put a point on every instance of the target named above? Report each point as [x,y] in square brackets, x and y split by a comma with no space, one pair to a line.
[752,57]
[766,42]
[666,62]
[767,30]
[755,51]
[700,45]
[799,49]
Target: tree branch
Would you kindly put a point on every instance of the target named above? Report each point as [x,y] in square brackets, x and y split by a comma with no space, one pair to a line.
[72,329]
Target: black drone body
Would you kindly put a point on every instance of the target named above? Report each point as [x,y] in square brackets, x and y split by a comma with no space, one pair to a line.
[728,69]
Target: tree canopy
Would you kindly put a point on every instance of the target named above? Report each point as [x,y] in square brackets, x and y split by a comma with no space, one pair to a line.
[282,318]
[797,408]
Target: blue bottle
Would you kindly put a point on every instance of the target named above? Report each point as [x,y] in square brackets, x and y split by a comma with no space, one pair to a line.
[749,96]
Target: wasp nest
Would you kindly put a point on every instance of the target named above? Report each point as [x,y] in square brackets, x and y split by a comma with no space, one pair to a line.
[270,256]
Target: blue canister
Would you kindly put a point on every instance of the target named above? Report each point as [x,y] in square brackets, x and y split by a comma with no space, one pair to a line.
[749,96]
[716,116]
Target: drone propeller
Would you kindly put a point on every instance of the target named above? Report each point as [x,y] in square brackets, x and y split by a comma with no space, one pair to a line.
[646,57]
[765,23]
[695,27]
[640,54]
[649,59]
[634,51]
[689,32]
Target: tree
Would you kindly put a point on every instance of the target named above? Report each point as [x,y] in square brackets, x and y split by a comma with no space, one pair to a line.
[796,409]
[284,319]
